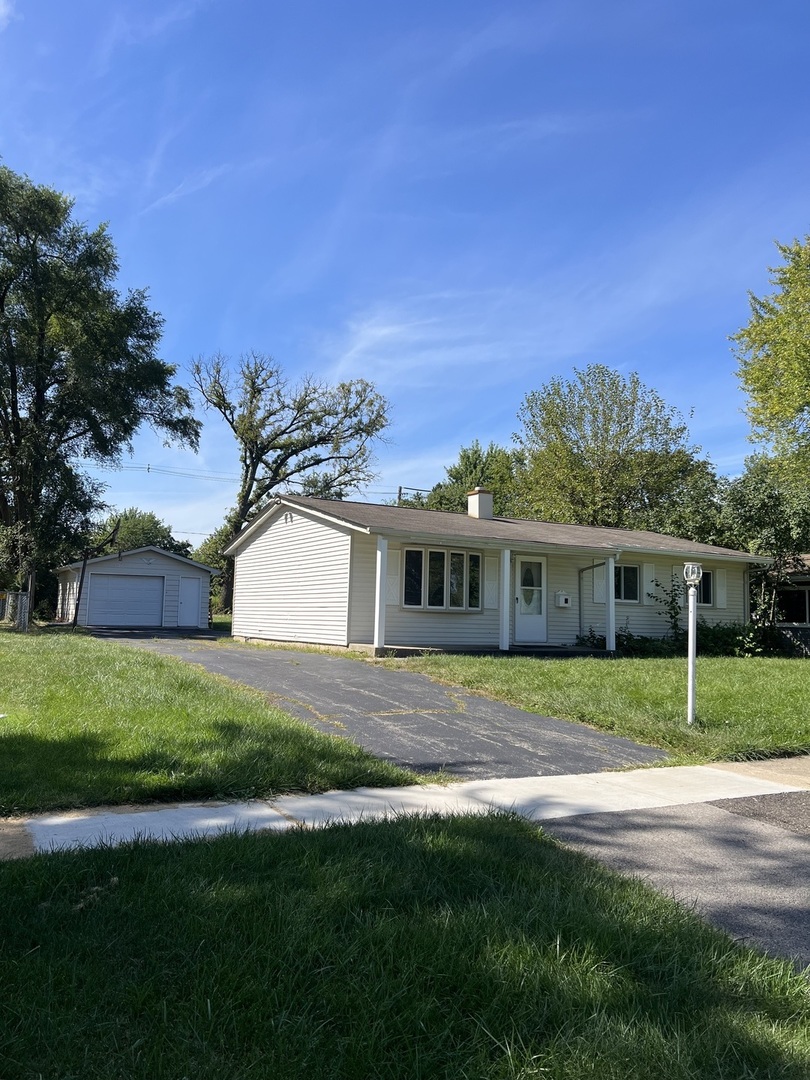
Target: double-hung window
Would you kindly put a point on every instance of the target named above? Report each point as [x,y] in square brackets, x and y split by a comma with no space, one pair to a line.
[626,583]
[705,589]
[438,579]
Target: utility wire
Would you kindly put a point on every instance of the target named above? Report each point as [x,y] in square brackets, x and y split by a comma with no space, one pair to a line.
[220,478]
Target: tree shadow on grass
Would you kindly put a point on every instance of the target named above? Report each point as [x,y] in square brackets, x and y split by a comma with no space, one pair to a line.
[74,771]
[227,759]
[460,947]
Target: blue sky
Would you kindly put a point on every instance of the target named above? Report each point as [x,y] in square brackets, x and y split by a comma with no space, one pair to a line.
[457,200]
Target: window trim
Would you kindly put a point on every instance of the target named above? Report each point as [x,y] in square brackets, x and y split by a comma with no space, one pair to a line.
[447,554]
[618,577]
[801,587]
[428,579]
[710,602]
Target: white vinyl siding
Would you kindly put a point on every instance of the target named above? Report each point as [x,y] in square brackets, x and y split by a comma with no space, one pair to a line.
[292,581]
[563,623]
[362,590]
[648,618]
[68,587]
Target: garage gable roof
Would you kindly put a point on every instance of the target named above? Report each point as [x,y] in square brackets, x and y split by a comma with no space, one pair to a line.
[445,527]
[117,555]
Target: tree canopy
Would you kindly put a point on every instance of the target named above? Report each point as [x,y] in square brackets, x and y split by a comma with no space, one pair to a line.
[766,511]
[79,372]
[602,449]
[210,552]
[493,468]
[773,350]
[140,528]
[308,435]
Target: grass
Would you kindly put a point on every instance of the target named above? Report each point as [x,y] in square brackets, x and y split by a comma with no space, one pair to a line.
[466,948]
[90,723]
[747,707]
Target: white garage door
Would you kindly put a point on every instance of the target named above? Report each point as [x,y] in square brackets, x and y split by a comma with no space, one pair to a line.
[125,600]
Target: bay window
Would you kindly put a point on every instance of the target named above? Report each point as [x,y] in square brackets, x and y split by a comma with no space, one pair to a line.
[437,579]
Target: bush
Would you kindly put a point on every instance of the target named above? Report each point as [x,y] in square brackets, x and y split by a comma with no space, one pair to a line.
[718,639]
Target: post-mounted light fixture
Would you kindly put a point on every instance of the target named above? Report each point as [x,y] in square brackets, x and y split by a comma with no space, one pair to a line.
[692,573]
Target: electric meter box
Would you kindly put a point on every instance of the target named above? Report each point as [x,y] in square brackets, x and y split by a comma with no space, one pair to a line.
[562,599]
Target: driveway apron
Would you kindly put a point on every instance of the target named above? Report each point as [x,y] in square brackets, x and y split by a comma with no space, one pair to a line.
[405,718]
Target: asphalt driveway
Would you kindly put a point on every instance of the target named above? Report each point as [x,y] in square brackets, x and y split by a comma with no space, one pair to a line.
[404,717]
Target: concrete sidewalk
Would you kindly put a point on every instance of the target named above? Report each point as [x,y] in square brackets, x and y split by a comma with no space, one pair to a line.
[537,798]
[730,840]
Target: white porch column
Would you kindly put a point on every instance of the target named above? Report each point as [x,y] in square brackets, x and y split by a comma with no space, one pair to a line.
[379,593]
[610,605]
[506,599]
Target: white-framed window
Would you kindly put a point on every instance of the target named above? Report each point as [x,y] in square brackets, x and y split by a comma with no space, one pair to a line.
[627,583]
[705,589]
[794,605]
[441,579]
[711,592]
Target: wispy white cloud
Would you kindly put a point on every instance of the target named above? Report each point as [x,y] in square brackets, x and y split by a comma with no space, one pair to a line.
[6,13]
[125,32]
[447,354]
[198,181]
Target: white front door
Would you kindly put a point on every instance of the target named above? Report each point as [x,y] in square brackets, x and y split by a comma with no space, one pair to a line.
[189,614]
[530,601]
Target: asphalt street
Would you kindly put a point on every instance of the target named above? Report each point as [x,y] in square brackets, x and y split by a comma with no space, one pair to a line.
[748,875]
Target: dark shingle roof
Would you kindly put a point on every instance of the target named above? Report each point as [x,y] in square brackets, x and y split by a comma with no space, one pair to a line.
[509,532]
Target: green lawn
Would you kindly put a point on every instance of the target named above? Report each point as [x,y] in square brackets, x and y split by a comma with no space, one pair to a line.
[466,949]
[746,706]
[91,722]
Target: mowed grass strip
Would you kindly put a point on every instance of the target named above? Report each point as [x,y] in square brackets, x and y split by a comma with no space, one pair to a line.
[747,707]
[456,948]
[90,723]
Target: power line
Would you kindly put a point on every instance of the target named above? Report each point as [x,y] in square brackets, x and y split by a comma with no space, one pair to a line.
[221,478]
[162,470]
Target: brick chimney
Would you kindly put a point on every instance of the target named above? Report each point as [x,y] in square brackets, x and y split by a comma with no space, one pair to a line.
[479,503]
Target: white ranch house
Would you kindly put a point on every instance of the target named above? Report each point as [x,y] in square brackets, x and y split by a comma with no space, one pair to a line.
[361,575]
[143,587]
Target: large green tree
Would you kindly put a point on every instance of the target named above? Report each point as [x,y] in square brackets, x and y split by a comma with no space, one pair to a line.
[604,449]
[767,511]
[773,350]
[307,435]
[494,467]
[79,373]
[210,552]
[139,528]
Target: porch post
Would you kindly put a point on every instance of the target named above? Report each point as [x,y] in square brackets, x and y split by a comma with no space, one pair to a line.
[506,599]
[610,605]
[379,594]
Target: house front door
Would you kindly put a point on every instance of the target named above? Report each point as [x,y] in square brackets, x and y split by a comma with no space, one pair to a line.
[530,601]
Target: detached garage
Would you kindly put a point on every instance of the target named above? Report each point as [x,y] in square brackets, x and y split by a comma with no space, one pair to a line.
[146,587]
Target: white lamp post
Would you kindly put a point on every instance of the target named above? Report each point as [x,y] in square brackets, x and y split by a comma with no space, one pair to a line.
[692,573]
